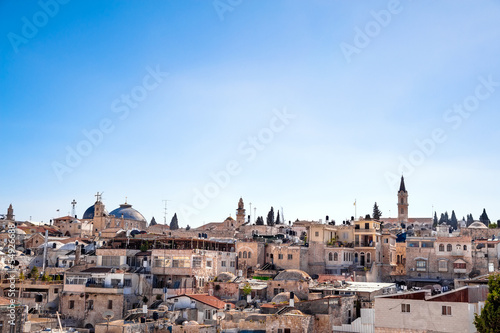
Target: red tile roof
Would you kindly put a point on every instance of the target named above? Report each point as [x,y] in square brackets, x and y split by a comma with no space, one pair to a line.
[209,300]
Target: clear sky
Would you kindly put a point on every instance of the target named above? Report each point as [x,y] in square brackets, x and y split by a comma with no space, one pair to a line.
[305,105]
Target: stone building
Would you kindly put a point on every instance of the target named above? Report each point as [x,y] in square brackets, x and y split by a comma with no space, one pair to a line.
[433,259]
[124,217]
[419,312]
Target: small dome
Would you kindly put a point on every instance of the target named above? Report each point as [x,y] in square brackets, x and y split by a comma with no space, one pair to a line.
[89,213]
[225,277]
[128,213]
[478,225]
[283,297]
[292,275]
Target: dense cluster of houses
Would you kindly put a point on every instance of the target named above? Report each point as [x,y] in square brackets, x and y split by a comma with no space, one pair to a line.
[110,272]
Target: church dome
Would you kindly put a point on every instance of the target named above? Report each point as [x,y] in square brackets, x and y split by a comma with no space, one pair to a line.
[89,213]
[128,213]
[478,225]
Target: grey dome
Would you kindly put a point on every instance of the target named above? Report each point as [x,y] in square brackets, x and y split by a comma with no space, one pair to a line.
[128,213]
[292,275]
[89,213]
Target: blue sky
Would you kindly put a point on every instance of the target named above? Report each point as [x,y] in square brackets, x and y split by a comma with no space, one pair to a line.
[302,105]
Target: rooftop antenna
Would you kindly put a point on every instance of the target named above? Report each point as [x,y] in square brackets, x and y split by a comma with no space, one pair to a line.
[165,211]
[73,211]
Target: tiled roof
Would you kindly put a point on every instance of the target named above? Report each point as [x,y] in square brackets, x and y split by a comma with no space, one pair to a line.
[209,300]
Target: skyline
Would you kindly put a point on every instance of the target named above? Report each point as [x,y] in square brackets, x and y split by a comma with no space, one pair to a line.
[305,106]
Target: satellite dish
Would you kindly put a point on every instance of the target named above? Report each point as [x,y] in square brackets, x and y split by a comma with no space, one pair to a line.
[124,267]
[221,315]
[108,315]
[241,304]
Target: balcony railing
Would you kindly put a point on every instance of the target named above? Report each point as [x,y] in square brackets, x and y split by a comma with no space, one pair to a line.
[364,244]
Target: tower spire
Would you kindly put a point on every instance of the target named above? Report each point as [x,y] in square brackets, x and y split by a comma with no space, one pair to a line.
[402,185]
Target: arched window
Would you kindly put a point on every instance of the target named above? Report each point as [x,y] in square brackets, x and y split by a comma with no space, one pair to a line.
[402,200]
[448,247]
[465,247]
[459,247]
[249,254]
[239,254]
[368,257]
[335,256]
[330,256]
[441,247]
[244,254]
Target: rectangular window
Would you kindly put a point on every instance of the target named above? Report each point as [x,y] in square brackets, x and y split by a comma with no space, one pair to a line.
[316,234]
[446,310]
[157,261]
[421,265]
[405,307]
[208,314]
[290,257]
[181,262]
[127,282]
[110,304]
[196,262]
[209,263]
[71,304]
[367,225]
[90,305]
[223,263]
[111,261]
[233,264]
[443,266]
[459,265]
[280,256]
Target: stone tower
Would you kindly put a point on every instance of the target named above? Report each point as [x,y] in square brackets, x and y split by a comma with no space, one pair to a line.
[402,202]
[10,213]
[240,213]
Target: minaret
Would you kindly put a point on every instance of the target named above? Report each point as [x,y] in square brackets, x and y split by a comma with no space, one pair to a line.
[10,213]
[240,213]
[402,202]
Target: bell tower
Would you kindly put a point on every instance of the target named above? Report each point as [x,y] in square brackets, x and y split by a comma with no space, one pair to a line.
[240,213]
[402,202]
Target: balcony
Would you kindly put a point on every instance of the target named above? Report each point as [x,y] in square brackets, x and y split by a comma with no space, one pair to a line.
[457,253]
[364,244]
[460,270]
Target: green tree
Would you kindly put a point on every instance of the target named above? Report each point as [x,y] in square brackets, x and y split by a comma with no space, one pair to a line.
[259,221]
[493,226]
[34,272]
[188,227]
[484,217]
[453,220]
[153,222]
[435,220]
[247,289]
[270,217]
[144,246]
[174,223]
[489,319]
[377,214]
[278,218]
